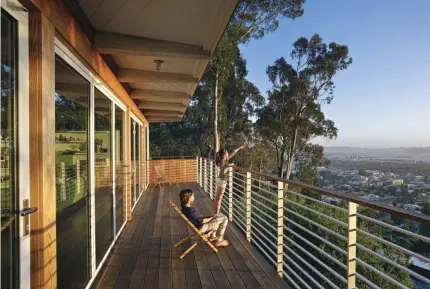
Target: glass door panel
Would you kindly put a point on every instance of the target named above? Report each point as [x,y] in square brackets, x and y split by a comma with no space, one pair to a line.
[9,193]
[119,169]
[103,173]
[72,95]
[132,157]
[137,161]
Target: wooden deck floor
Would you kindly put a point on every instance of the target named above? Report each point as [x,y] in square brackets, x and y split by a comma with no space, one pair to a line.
[144,257]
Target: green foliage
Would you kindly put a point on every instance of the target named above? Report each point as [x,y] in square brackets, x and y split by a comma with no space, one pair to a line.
[293,114]
[194,135]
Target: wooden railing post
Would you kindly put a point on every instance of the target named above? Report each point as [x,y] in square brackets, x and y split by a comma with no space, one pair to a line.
[352,244]
[211,183]
[280,261]
[248,206]
[205,181]
[78,177]
[230,194]
[63,181]
[199,171]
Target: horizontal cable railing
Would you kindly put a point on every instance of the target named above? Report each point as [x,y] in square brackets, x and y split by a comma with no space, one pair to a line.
[312,243]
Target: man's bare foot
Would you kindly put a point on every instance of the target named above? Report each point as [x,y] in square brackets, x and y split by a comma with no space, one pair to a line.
[223,243]
[213,239]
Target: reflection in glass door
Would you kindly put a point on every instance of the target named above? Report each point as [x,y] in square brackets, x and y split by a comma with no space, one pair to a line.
[103,173]
[9,193]
[119,169]
[137,160]
[72,95]
[132,157]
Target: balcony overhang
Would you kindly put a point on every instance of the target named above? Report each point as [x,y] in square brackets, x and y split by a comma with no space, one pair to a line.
[180,35]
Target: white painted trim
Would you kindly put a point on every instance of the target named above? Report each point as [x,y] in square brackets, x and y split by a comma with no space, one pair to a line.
[109,94]
[65,54]
[137,200]
[135,118]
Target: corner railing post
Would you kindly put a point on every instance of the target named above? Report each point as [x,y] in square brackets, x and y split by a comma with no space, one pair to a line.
[230,194]
[352,244]
[248,206]
[211,181]
[280,261]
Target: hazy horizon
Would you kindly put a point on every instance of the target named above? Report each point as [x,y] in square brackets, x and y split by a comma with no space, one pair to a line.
[381,101]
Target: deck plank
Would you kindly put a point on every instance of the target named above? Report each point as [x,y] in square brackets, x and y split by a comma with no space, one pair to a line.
[144,256]
[117,258]
[244,262]
[140,267]
[138,272]
[165,266]
[178,272]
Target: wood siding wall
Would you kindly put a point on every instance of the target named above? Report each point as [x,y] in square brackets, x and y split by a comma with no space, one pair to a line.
[176,170]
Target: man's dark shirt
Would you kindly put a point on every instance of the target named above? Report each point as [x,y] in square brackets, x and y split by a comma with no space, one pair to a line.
[194,216]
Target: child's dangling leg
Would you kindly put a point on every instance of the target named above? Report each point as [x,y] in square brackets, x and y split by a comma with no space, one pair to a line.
[218,200]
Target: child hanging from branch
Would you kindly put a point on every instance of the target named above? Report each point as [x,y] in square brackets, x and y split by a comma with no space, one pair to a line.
[222,160]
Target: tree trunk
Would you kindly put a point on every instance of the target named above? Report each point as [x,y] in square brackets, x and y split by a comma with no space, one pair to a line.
[281,164]
[216,135]
[291,154]
[290,159]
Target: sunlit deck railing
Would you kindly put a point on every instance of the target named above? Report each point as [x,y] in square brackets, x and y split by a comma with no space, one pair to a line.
[352,243]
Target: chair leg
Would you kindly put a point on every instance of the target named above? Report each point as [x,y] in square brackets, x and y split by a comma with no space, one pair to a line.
[206,240]
[190,248]
[183,240]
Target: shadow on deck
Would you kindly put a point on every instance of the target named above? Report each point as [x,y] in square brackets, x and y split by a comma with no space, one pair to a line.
[144,257]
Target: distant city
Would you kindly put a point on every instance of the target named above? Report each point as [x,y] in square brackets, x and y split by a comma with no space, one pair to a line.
[397,177]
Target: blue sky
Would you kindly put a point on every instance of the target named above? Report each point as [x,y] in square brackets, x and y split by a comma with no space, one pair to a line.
[383,99]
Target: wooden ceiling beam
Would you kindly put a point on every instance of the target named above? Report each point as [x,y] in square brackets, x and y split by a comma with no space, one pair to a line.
[164,119]
[142,93]
[164,113]
[113,43]
[161,106]
[135,75]
[161,99]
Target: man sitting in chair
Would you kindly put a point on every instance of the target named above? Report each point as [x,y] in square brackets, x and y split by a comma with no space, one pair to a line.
[215,224]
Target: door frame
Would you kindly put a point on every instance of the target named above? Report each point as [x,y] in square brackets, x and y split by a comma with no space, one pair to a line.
[138,125]
[18,12]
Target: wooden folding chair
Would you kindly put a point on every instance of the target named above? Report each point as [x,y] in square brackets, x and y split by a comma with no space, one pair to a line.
[161,176]
[200,236]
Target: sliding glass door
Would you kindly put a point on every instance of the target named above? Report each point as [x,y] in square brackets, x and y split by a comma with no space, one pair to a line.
[90,178]
[14,151]
[137,160]
[9,194]
[72,98]
[119,168]
[132,160]
[103,173]
[137,184]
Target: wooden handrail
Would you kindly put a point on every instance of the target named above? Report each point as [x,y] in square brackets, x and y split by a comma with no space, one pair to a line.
[172,158]
[370,204]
